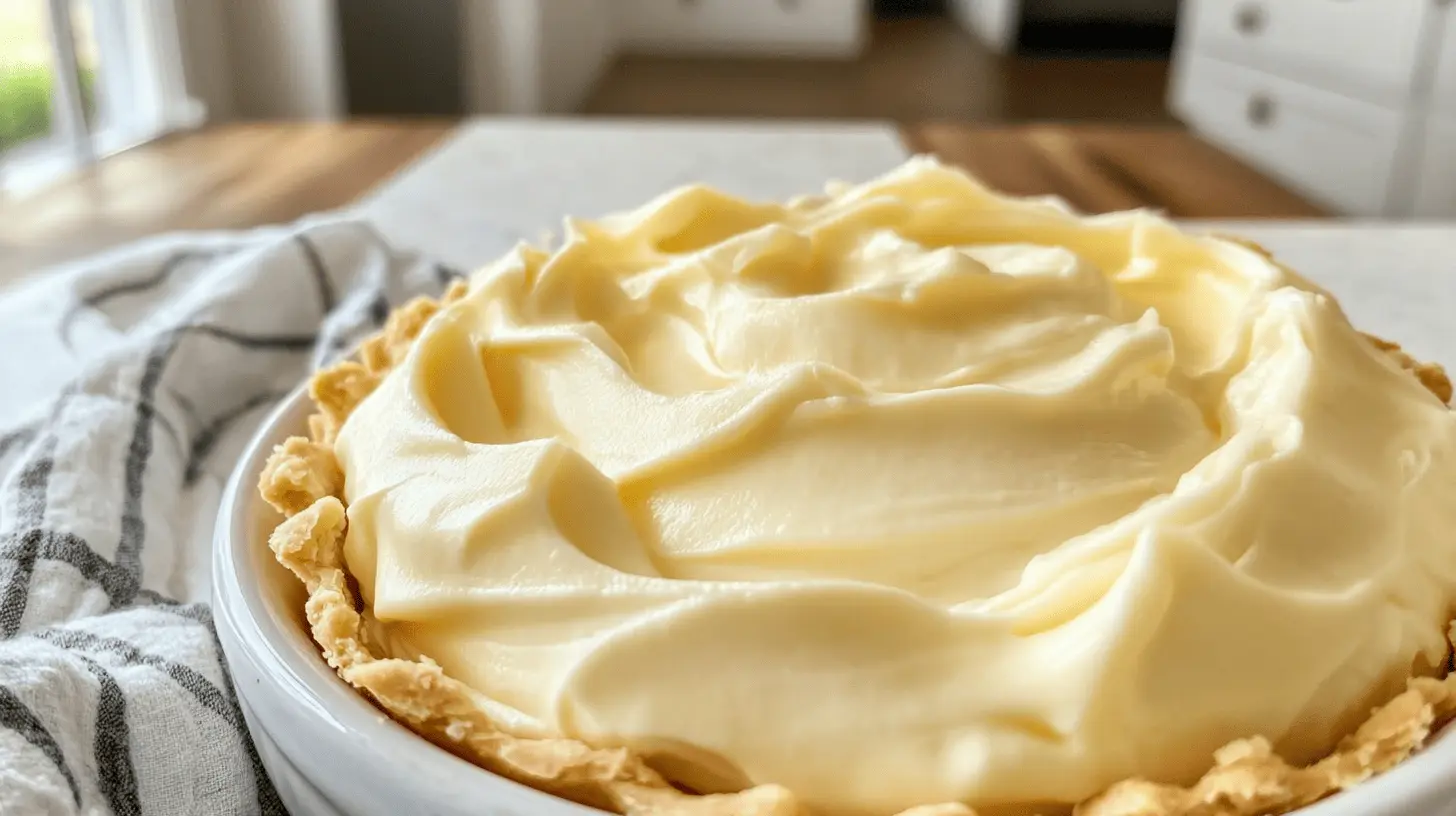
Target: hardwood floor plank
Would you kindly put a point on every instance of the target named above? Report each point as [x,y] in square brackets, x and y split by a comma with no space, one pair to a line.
[998,157]
[1191,177]
[912,69]
[228,177]
[240,176]
[1087,186]
[1102,168]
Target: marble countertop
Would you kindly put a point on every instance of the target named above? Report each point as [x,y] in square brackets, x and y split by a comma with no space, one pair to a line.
[496,182]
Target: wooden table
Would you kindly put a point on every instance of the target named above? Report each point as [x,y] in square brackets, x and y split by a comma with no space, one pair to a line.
[245,175]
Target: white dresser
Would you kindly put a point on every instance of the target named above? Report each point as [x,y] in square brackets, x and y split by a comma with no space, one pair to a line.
[1351,102]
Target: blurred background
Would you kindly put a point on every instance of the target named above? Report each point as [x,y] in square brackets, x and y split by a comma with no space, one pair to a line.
[1343,107]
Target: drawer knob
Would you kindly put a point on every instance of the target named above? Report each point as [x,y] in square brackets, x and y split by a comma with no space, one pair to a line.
[1249,19]
[1261,111]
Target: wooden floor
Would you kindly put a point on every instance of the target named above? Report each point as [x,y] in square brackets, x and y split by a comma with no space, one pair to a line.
[913,69]
[1103,168]
[957,98]
[240,176]
[229,177]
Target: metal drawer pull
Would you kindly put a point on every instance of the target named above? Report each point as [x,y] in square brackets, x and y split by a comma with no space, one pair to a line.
[1249,19]
[1261,111]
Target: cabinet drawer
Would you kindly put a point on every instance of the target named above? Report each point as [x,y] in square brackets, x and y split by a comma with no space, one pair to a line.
[1443,91]
[1335,149]
[1367,48]
[1436,180]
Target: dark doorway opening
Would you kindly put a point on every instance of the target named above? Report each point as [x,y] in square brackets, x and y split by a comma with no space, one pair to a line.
[1095,40]
[893,9]
[1073,29]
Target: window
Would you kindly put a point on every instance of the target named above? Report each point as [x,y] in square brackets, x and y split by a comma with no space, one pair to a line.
[83,78]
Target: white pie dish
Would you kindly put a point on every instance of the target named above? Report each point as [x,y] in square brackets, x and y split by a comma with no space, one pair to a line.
[329,751]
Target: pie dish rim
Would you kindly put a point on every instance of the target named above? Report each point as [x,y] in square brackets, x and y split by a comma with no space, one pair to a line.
[326,733]
[261,641]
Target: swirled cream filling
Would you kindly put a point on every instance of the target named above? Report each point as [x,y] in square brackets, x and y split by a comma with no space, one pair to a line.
[909,493]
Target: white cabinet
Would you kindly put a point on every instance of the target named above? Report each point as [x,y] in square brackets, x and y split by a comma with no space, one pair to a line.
[1302,135]
[1436,183]
[1339,99]
[993,22]
[1435,177]
[1443,90]
[1364,46]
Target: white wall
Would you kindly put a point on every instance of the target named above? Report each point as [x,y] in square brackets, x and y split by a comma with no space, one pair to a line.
[283,58]
[206,55]
[498,46]
[544,56]
[518,56]
[578,41]
[993,22]
[534,56]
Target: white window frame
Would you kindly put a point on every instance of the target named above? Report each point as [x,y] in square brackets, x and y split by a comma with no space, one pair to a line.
[141,92]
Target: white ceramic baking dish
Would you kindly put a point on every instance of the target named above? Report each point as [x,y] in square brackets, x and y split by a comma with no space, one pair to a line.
[331,753]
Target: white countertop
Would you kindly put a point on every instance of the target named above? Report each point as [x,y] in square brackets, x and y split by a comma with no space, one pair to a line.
[495,182]
[499,181]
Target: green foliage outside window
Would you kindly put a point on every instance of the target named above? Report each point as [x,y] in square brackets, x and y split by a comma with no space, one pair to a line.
[25,101]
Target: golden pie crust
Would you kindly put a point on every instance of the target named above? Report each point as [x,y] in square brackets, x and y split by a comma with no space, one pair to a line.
[302,480]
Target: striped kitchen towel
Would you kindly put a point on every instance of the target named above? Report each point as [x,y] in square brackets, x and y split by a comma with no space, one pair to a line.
[128,386]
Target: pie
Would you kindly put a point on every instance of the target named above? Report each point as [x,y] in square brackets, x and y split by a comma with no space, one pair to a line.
[910,498]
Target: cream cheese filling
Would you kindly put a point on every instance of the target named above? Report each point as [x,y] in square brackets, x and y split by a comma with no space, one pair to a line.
[909,493]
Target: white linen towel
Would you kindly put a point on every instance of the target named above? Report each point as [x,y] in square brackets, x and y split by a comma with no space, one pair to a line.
[128,385]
